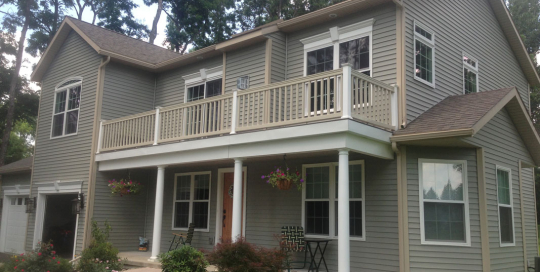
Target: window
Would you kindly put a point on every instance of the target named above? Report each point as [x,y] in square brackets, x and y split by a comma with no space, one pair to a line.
[192,201]
[424,54]
[321,200]
[205,90]
[356,52]
[320,60]
[67,100]
[444,210]
[470,75]
[506,210]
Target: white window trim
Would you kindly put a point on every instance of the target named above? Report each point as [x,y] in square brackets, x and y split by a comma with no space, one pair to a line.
[202,77]
[336,35]
[465,202]
[428,42]
[511,206]
[332,199]
[191,199]
[472,69]
[61,89]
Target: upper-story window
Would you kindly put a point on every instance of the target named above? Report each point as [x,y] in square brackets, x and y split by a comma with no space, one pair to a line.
[67,100]
[204,84]
[349,44]
[470,74]
[424,54]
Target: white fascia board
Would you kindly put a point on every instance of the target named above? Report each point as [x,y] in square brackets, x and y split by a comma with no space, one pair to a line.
[314,137]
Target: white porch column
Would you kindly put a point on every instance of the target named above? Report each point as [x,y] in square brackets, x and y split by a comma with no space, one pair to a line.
[344,253]
[236,231]
[158,213]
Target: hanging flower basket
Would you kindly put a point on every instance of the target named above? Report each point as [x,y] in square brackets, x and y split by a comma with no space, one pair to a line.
[124,187]
[284,179]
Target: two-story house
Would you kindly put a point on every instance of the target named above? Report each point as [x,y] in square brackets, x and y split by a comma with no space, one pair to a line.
[411,117]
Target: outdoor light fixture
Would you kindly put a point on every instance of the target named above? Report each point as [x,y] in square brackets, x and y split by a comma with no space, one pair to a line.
[30,204]
[77,204]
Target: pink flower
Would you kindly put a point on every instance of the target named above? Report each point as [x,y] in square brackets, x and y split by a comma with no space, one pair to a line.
[58,262]
[39,254]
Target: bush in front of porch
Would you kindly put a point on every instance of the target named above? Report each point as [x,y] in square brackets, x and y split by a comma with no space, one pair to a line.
[184,259]
[43,258]
[100,255]
[242,256]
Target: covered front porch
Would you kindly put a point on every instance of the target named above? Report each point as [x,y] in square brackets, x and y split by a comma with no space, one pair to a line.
[262,211]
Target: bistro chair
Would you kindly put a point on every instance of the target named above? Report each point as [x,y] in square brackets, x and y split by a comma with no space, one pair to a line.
[182,238]
[292,240]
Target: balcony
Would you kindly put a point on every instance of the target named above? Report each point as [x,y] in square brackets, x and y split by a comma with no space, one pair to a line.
[336,94]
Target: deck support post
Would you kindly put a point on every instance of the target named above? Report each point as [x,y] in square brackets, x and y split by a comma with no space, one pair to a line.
[394,107]
[100,138]
[347,91]
[344,253]
[156,126]
[158,213]
[236,231]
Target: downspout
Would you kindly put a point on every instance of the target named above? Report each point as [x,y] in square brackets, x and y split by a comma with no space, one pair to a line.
[87,234]
[403,230]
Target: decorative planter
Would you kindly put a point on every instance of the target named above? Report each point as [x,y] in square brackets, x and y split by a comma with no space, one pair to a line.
[124,191]
[284,184]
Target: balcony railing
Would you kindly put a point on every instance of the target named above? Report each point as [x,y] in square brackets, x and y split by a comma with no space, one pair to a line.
[341,93]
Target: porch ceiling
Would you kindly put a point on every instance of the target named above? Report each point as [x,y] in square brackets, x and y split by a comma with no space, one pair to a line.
[310,138]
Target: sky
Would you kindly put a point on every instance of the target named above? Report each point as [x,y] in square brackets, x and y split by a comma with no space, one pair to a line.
[144,14]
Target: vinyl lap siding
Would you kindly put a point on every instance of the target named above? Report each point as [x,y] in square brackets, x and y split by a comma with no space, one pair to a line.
[171,86]
[503,146]
[16,179]
[67,158]
[462,26]
[248,61]
[278,60]
[126,91]
[384,43]
[268,209]
[434,257]
[125,214]
[530,214]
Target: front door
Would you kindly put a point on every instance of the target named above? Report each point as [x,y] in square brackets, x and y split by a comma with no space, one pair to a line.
[228,185]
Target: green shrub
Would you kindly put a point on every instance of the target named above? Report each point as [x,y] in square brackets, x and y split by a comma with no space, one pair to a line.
[184,259]
[43,258]
[242,256]
[100,255]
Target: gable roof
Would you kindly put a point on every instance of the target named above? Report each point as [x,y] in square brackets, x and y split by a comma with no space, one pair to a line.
[465,115]
[24,165]
[154,58]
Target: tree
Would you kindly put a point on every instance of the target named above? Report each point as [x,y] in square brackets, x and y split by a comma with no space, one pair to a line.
[153,33]
[24,13]
[254,13]
[45,23]
[198,23]
[117,15]
[26,104]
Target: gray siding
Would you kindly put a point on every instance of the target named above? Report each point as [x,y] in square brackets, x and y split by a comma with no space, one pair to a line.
[278,59]
[468,26]
[504,147]
[268,209]
[247,61]
[442,258]
[384,42]
[126,91]
[126,214]
[170,86]
[66,158]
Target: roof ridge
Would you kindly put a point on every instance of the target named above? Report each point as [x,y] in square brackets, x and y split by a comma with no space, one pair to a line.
[120,34]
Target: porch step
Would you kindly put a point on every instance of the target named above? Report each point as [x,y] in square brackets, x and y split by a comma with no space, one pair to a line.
[130,264]
[137,259]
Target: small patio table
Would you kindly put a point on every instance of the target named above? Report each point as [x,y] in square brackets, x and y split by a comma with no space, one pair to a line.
[314,265]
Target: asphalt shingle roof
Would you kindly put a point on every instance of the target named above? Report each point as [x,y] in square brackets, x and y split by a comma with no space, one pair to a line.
[18,166]
[125,45]
[455,112]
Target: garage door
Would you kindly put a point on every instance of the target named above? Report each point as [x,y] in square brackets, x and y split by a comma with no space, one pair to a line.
[16,224]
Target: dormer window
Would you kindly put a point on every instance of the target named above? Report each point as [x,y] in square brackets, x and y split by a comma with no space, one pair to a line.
[67,99]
